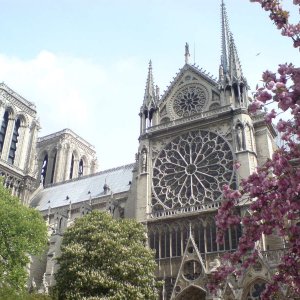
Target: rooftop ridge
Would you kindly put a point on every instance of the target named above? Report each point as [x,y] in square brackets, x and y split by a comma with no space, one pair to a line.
[90,175]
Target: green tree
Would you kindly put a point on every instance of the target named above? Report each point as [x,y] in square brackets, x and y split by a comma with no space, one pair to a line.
[23,232]
[10,294]
[103,258]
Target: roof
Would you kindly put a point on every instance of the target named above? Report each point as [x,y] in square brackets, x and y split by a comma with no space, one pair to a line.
[81,189]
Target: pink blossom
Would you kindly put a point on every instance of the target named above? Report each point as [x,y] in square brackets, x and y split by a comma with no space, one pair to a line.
[271,115]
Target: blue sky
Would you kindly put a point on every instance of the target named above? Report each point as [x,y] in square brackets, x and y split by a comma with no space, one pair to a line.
[84,62]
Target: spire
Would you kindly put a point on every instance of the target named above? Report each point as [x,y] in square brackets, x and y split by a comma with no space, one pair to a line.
[187,53]
[225,38]
[230,62]
[149,97]
[235,67]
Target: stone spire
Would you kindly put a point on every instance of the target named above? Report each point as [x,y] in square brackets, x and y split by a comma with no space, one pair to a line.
[149,97]
[148,112]
[230,62]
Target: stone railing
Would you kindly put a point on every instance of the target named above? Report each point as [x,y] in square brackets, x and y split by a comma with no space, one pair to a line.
[199,116]
[182,210]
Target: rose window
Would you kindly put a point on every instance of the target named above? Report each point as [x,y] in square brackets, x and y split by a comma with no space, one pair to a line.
[189,100]
[191,170]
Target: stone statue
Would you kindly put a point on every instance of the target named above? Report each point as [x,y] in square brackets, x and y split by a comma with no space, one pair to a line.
[240,137]
[144,160]
[187,53]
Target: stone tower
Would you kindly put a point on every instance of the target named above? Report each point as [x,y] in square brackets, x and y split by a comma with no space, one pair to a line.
[18,134]
[189,139]
[63,156]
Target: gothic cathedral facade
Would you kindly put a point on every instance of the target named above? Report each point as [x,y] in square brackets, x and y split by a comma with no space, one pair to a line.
[190,138]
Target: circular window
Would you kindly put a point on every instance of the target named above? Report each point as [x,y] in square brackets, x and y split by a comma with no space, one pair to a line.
[189,100]
[192,269]
[191,170]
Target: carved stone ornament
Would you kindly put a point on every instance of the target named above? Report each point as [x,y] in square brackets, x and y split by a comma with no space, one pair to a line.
[189,100]
[191,170]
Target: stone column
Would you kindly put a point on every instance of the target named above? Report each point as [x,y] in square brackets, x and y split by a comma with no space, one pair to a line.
[21,146]
[58,173]
[75,168]
[30,152]
[68,163]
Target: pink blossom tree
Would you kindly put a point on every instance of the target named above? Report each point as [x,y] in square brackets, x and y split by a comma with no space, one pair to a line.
[273,190]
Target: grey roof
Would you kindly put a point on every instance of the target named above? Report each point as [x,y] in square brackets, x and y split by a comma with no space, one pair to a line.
[77,190]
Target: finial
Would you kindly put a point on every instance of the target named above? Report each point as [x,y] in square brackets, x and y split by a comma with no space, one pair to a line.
[187,53]
[150,64]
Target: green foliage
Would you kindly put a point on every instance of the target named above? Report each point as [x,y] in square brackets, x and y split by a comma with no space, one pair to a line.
[10,294]
[103,258]
[22,232]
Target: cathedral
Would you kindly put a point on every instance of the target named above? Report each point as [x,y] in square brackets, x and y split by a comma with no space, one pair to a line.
[190,138]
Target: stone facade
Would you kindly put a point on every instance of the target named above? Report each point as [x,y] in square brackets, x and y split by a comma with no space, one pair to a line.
[189,139]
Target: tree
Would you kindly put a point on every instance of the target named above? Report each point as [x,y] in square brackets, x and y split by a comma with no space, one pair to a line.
[23,232]
[274,189]
[103,258]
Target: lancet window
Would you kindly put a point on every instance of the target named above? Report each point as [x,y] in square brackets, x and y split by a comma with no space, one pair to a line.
[3,130]
[44,169]
[71,167]
[80,168]
[14,141]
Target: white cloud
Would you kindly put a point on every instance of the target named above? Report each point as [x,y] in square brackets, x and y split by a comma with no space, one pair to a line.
[100,104]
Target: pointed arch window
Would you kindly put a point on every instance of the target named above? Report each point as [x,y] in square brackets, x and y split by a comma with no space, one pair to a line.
[3,129]
[71,167]
[80,169]
[14,142]
[44,170]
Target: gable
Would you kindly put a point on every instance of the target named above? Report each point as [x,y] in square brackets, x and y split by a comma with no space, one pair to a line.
[191,92]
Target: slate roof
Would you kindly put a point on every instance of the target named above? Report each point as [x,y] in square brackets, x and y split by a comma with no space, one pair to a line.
[78,189]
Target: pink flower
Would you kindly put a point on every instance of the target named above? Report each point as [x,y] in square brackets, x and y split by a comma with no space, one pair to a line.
[271,115]
[236,165]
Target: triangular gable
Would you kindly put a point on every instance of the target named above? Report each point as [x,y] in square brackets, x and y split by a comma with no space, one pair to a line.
[192,269]
[180,76]
[191,92]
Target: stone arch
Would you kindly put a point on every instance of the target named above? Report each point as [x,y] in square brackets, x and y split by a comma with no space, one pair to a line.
[254,289]
[83,167]
[214,106]
[11,111]
[191,292]
[165,120]
[23,119]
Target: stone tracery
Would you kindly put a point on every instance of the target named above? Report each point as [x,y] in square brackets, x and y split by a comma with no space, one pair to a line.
[191,170]
[189,100]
